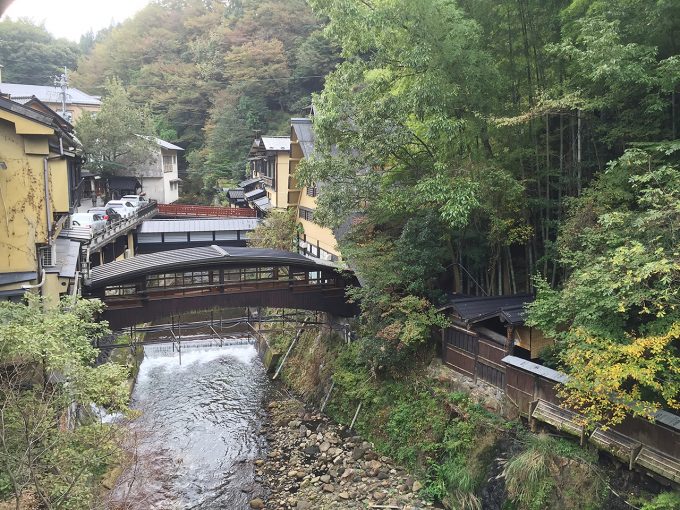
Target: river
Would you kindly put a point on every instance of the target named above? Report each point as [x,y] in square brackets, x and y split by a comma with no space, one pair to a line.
[199,428]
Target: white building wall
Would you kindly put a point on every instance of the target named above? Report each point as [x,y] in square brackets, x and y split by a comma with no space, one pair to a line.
[154,187]
[170,173]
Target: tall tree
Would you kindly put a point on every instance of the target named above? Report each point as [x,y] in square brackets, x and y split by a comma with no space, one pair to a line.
[48,380]
[116,137]
[31,55]
[617,316]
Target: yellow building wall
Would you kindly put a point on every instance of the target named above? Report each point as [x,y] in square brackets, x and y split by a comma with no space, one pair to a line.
[23,221]
[59,185]
[77,110]
[314,234]
[279,198]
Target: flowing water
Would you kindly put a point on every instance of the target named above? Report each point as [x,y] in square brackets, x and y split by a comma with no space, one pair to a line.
[198,431]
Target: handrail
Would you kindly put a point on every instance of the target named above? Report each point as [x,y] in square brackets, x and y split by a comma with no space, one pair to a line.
[206,210]
[123,223]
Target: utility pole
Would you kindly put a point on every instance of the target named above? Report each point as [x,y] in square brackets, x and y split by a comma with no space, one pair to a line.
[62,83]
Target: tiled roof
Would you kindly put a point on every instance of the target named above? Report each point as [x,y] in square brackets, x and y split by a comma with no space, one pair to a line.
[20,92]
[263,204]
[198,225]
[276,143]
[256,193]
[235,193]
[248,182]
[509,309]
[305,135]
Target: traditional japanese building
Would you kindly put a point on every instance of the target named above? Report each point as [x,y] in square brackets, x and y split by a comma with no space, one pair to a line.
[40,185]
[315,240]
[269,162]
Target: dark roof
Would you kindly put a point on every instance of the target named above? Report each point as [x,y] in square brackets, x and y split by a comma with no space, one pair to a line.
[34,101]
[123,183]
[186,258]
[248,182]
[256,193]
[25,111]
[305,135]
[198,225]
[25,276]
[235,193]
[509,309]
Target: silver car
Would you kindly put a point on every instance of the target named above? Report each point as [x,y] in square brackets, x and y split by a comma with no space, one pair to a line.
[123,207]
[94,222]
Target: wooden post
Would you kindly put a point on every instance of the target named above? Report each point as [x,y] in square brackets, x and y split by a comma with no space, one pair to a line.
[290,348]
[328,395]
[351,425]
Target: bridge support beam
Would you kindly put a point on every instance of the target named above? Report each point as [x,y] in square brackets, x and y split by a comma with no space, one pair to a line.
[131,244]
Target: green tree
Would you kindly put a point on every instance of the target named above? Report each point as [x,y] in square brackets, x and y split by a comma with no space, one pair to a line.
[31,55]
[617,315]
[117,136]
[48,381]
[278,231]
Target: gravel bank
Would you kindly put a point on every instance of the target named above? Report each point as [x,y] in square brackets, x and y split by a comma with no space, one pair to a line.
[314,464]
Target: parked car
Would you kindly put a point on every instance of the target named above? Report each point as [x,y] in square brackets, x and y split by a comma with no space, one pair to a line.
[123,207]
[93,221]
[109,214]
[136,200]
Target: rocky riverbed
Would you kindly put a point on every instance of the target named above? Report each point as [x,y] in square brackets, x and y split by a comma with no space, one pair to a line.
[313,464]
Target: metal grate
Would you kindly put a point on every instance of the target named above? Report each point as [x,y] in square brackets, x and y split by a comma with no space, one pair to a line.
[47,256]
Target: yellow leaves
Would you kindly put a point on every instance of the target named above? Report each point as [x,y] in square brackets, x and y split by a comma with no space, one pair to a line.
[610,379]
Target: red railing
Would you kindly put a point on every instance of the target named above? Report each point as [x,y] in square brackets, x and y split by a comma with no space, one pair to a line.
[205,210]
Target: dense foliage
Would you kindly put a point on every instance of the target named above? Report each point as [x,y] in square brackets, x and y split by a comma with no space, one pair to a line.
[48,448]
[617,316]
[464,136]
[278,231]
[31,55]
[118,136]
[214,72]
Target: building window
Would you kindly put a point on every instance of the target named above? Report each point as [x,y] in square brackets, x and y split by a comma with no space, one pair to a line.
[306,214]
[168,163]
[47,256]
[312,191]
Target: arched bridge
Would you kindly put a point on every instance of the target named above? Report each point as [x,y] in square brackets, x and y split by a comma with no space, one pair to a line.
[156,285]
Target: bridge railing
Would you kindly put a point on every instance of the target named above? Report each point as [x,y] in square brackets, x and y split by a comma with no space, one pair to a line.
[120,295]
[116,228]
[206,211]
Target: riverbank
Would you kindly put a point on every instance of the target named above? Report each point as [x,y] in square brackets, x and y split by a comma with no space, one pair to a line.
[313,463]
[449,435]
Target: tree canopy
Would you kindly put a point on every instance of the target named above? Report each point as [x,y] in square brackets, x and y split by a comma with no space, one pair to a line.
[116,137]
[486,147]
[31,55]
[215,73]
[48,379]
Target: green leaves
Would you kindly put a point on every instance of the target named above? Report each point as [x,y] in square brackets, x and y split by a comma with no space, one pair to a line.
[47,391]
[31,55]
[116,138]
[618,313]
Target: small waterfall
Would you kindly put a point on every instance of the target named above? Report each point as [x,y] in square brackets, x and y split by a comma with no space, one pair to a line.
[193,345]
